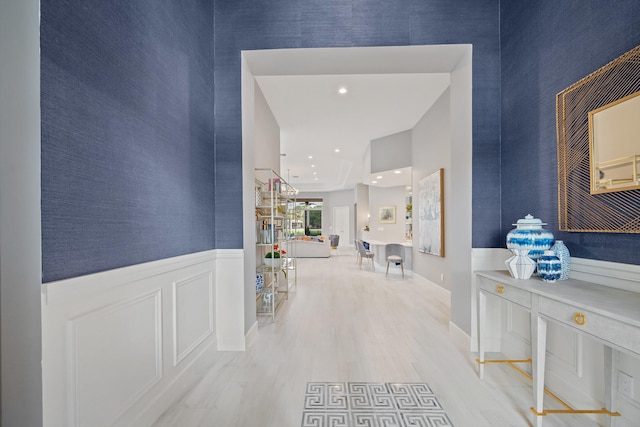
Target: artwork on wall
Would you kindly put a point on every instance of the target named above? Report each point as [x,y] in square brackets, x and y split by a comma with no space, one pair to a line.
[431,214]
[387,215]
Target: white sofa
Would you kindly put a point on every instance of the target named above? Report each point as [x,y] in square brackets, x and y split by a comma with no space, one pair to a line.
[308,249]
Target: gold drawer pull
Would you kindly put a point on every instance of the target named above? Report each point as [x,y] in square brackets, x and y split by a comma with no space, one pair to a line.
[579,319]
[500,289]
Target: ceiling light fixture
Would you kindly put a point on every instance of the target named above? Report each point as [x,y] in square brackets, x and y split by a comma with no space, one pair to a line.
[397,171]
[342,90]
[337,150]
[315,173]
[379,177]
[313,166]
[311,157]
[374,182]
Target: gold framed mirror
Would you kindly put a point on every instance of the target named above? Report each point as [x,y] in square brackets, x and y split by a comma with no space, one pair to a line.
[614,145]
[585,204]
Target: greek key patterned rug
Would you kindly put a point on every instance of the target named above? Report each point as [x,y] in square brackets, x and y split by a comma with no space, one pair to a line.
[372,405]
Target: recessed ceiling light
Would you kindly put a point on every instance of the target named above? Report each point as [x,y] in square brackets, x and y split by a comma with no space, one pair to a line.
[397,171]
[409,188]
[379,177]
[315,173]
[313,166]
[337,150]
[342,90]
[374,182]
[311,157]
[316,179]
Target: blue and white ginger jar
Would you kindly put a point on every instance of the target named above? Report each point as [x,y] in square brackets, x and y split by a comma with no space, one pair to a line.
[549,267]
[530,235]
[562,252]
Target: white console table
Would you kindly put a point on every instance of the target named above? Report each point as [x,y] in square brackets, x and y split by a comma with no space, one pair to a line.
[610,315]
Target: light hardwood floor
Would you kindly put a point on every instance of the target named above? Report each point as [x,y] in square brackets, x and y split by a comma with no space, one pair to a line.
[346,324]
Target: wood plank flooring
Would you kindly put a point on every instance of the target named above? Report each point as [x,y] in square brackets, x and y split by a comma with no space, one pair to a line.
[346,324]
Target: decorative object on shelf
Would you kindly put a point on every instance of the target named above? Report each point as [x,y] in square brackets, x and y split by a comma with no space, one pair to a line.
[258,196]
[431,214]
[520,265]
[259,282]
[268,298]
[272,262]
[530,235]
[562,252]
[549,267]
[273,259]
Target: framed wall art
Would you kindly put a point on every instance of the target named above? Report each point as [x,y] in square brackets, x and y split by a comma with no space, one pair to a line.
[431,214]
[387,215]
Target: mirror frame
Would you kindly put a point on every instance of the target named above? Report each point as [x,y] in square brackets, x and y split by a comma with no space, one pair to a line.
[578,209]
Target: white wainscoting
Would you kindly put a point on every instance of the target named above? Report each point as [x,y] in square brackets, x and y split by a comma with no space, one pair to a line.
[120,346]
[575,366]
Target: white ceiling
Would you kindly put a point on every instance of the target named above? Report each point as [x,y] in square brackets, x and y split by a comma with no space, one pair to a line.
[389,90]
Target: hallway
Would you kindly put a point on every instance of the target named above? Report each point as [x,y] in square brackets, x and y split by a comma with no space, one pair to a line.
[343,324]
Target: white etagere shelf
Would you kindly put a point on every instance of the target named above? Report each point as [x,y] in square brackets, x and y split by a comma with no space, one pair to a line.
[275,206]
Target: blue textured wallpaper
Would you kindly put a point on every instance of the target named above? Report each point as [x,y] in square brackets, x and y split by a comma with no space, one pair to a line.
[127,133]
[274,24]
[545,47]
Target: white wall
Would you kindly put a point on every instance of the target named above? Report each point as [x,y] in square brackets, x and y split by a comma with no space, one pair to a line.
[459,211]
[391,152]
[431,148]
[362,201]
[248,195]
[392,196]
[266,134]
[336,199]
[20,237]
[260,149]
[442,138]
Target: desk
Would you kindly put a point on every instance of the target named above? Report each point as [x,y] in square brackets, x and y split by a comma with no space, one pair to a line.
[380,259]
[610,315]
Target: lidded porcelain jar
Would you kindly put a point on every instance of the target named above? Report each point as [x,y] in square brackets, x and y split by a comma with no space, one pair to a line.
[549,267]
[530,235]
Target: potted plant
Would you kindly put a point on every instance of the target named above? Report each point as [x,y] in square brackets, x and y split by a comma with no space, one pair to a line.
[273,259]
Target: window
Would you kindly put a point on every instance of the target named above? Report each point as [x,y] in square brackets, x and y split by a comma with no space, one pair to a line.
[308,217]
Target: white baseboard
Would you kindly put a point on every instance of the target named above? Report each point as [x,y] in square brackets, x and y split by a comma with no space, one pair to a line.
[459,337]
[119,347]
[251,335]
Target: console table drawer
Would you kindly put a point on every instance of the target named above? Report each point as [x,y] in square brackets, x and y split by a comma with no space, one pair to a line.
[509,293]
[611,331]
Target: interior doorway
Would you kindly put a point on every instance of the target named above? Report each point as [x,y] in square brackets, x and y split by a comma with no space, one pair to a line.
[341,219]
[456,60]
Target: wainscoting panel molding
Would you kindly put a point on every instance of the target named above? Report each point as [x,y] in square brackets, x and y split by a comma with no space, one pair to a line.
[120,347]
[193,314]
[107,373]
